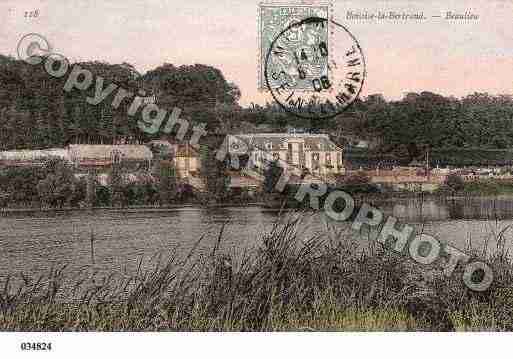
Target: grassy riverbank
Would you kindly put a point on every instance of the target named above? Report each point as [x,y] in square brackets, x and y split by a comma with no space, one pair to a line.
[286,284]
[479,189]
[488,188]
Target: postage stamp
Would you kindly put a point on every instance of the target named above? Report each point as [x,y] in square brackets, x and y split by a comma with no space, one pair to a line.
[276,17]
[336,72]
[311,65]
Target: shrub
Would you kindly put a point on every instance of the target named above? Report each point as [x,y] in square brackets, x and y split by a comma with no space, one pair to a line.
[358,182]
[454,183]
[272,175]
[19,184]
[103,196]
[167,183]
[59,186]
[357,178]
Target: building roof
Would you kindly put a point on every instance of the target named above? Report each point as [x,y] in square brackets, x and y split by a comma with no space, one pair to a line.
[243,181]
[103,152]
[33,155]
[163,143]
[186,150]
[177,149]
[278,141]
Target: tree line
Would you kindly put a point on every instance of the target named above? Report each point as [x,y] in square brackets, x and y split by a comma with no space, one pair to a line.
[477,128]
[56,184]
[35,112]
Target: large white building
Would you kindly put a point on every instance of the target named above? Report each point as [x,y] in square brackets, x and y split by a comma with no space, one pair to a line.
[314,152]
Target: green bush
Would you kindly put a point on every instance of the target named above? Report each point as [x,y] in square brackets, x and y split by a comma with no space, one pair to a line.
[488,188]
[19,185]
[103,196]
[454,183]
[59,186]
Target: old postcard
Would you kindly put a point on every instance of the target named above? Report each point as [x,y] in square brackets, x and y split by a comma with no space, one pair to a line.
[257,166]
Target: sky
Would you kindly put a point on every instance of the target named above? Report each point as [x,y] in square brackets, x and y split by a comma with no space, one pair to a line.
[456,57]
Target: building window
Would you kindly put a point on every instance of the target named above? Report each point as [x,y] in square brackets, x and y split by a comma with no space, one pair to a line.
[315,161]
[301,155]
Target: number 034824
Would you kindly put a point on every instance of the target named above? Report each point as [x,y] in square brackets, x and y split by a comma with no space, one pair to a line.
[35,346]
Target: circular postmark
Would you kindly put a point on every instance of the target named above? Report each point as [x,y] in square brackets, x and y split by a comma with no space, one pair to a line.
[314,70]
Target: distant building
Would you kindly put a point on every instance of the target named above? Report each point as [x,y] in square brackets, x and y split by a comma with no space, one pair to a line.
[22,158]
[313,152]
[100,156]
[362,144]
[239,183]
[186,158]
[441,171]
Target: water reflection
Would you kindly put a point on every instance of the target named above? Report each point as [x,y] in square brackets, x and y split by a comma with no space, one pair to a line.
[417,209]
[123,239]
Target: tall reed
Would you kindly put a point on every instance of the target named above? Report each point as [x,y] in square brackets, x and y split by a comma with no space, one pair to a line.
[326,282]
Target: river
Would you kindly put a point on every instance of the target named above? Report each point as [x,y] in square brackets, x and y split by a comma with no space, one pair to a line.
[123,239]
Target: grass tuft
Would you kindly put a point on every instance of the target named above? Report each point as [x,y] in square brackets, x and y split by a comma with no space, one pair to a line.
[287,284]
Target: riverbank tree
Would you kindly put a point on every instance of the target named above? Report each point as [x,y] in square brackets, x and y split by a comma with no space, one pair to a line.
[214,173]
[59,187]
[19,185]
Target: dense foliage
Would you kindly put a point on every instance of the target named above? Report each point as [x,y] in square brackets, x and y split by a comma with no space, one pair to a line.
[477,128]
[454,183]
[19,185]
[272,174]
[59,186]
[434,121]
[36,112]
